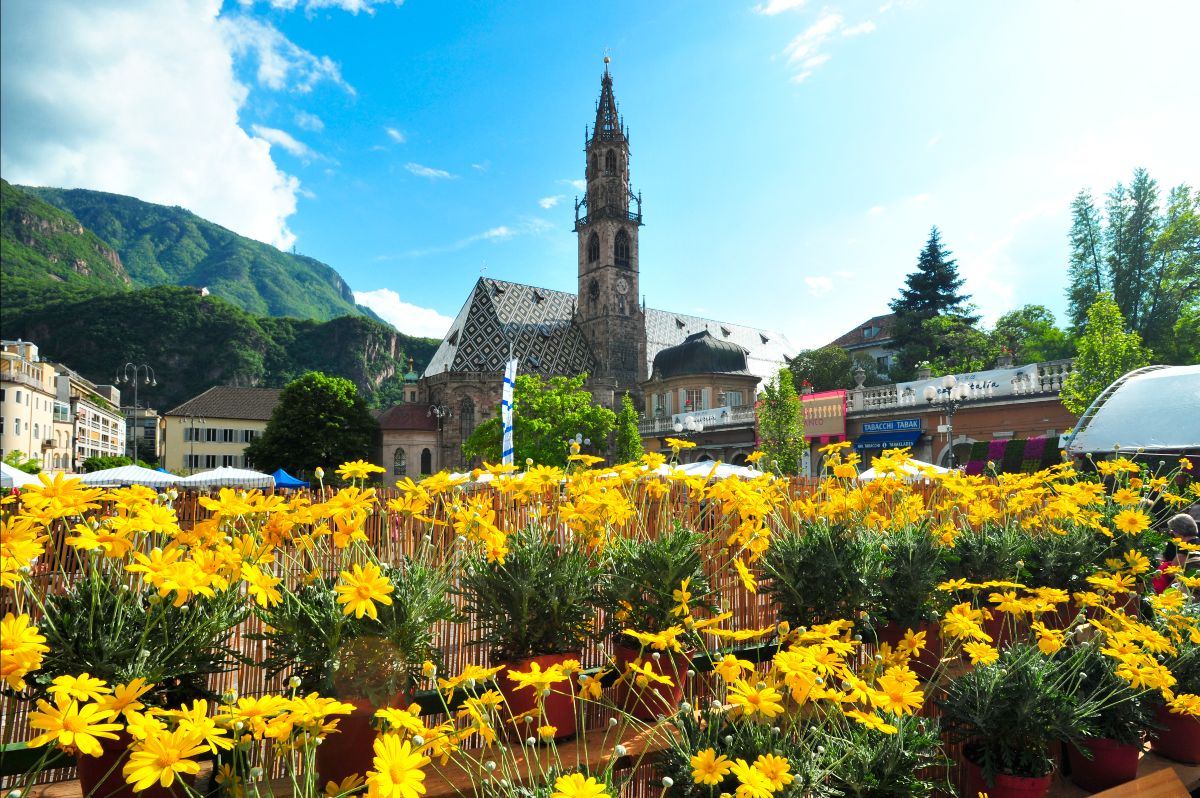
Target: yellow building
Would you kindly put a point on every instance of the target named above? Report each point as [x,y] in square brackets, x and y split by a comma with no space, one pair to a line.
[27,402]
[214,428]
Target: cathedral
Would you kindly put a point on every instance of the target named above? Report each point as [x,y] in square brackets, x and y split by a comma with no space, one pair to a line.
[601,329]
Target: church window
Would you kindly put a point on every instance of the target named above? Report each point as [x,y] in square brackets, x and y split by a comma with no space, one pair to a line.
[592,168]
[426,461]
[400,464]
[610,162]
[593,290]
[466,417]
[621,249]
[593,251]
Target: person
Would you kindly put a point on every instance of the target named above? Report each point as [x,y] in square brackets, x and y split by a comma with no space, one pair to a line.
[1182,527]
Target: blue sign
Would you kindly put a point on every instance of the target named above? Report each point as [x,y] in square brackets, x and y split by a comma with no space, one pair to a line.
[899,425]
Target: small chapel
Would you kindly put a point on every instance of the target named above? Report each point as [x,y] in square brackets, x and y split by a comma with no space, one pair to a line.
[664,360]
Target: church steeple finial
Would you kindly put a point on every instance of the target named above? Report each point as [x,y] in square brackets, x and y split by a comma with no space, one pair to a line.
[608,123]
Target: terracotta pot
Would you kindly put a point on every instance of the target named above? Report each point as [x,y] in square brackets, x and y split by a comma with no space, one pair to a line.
[647,703]
[1180,739]
[349,750]
[1112,763]
[925,663]
[101,776]
[1006,786]
[557,709]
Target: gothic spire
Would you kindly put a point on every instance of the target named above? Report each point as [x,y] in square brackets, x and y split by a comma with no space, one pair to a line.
[608,124]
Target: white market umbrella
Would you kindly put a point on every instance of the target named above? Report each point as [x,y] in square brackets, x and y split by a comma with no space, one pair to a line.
[12,477]
[703,468]
[226,477]
[126,475]
[912,469]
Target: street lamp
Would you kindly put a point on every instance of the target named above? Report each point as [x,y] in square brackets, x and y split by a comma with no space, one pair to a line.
[441,412]
[690,424]
[947,398]
[129,374]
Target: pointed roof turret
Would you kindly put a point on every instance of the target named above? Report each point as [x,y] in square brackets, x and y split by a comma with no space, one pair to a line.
[608,123]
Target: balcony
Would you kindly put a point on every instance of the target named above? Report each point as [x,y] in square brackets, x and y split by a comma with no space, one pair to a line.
[583,216]
[714,419]
[996,385]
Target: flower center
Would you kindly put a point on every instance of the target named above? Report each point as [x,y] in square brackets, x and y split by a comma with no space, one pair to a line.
[74,724]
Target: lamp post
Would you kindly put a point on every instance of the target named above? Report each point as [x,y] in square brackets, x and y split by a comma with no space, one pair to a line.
[691,425]
[441,412]
[129,374]
[947,398]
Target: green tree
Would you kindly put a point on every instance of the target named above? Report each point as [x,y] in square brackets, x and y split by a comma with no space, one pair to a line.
[546,417]
[831,368]
[629,441]
[781,424]
[1146,254]
[1030,335]
[104,463]
[1105,352]
[17,459]
[958,345]
[320,422]
[934,289]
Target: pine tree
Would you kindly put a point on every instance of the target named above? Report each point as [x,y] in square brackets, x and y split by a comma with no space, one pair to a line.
[931,291]
[1106,351]
[1088,276]
[629,441]
[781,425]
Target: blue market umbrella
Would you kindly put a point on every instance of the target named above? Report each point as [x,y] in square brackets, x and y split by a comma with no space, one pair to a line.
[285,480]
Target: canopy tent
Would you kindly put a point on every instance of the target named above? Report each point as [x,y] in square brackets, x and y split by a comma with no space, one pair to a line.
[703,468]
[285,480]
[226,477]
[1155,410]
[129,475]
[912,469]
[13,477]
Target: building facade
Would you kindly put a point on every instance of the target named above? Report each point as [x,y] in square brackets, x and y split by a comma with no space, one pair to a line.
[94,417]
[143,434]
[213,429]
[28,397]
[604,329]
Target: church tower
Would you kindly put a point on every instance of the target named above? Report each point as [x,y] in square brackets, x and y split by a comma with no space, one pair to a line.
[607,221]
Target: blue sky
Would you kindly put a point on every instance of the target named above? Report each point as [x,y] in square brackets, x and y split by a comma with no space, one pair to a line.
[792,156]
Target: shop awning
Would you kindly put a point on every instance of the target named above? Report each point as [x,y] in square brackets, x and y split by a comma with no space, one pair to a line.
[887,440]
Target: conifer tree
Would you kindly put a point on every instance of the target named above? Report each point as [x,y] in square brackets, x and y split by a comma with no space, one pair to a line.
[629,441]
[781,425]
[933,290]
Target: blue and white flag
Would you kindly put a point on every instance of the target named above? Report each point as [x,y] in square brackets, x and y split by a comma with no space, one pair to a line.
[506,400]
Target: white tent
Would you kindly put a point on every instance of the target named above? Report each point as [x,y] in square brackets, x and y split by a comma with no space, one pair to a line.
[226,477]
[703,468]
[130,475]
[12,477]
[912,469]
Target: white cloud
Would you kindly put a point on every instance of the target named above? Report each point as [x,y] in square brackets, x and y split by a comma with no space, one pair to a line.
[815,61]
[404,316]
[578,185]
[527,227]
[395,135]
[919,199]
[819,286]
[480,167]
[800,77]
[136,97]
[353,6]
[875,210]
[285,141]
[806,44]
[859,29]
[309,121]
[550,202]
[428,171]
[773,7]
[503,231]
[933,141]
[281,63]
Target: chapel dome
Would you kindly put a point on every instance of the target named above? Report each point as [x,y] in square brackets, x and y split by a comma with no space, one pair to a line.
[700,353]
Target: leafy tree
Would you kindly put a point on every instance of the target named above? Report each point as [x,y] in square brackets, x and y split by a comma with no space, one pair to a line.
[629,441]
[781,424]
[320,422]
[1145,254]
[1106,351]
[104,463]
[830,368]
[1030,335]
[546,416]
[17,459]
[958,345]
[933,290]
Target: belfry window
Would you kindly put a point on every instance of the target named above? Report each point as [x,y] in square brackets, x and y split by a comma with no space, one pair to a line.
[593,252]
[466,417]
[610,162]
[621,250]
[400,463]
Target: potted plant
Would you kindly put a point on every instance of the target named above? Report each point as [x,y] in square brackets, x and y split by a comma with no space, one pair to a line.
[534,609]
[914,563]
[1063,562]
[823,572]
[1178,719]
[1110,755]
[984,554]
[655,584]
[1009,712]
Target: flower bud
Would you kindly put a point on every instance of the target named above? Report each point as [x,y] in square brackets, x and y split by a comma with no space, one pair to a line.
[319,473]
[418,740]
[620,750]
[612,722]
[489,766]
[667,781]
[530,741]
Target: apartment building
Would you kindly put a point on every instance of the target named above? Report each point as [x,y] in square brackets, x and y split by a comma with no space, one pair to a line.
[213,429]
[28,398]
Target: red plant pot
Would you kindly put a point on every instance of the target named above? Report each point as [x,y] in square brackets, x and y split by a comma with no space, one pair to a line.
[647,703]
[1180,739]
[1112,763]
[557,709]
[351,749]
[101,776]
[925,663]
[1006,786]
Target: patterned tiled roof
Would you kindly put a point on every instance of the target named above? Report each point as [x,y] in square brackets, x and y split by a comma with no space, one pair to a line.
[540,323]
[231,401]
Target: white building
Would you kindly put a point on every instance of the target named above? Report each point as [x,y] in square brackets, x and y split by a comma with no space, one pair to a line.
[27,406]
[95,417]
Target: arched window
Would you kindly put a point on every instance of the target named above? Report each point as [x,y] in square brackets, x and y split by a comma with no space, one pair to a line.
[593,251]
[466,417]
[593,290]
[400,463]
[592,167]
[610,162]
[621,250]
[426,461]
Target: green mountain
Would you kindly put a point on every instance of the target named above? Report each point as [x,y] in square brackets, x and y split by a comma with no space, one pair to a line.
[162,245]
[194,342]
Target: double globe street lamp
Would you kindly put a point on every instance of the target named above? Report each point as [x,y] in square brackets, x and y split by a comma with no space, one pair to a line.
[947,398]
[129,375]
